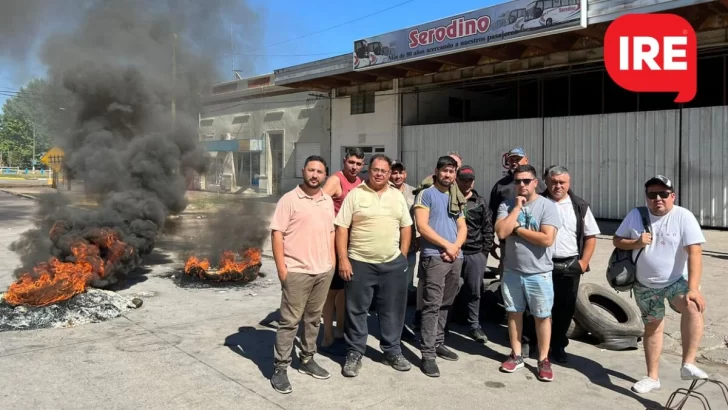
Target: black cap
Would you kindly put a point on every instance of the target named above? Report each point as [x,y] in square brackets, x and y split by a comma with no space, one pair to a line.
[398,164]
[659,179]
[466,172]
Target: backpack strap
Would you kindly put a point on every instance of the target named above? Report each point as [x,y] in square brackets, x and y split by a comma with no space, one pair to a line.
[645,224]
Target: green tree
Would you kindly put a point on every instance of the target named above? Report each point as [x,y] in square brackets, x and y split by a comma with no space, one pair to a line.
[37,105]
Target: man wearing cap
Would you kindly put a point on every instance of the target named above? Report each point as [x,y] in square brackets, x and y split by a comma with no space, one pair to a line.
[669,268]
[475,250]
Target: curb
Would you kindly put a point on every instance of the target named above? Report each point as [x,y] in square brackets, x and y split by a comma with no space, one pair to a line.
[20,195]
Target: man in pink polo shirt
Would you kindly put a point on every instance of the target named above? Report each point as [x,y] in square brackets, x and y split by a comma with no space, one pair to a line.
[303,247]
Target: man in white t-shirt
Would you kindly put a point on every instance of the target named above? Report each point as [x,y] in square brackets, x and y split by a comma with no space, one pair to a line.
[669,267]
[573,249]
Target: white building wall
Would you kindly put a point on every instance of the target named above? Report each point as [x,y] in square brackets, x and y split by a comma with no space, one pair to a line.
[300,117]
[481,145]
[377,129]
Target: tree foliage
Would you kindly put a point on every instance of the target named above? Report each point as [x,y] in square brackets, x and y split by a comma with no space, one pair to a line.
[35,105]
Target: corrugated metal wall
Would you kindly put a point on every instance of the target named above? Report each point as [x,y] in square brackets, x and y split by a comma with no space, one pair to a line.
[705,164]
[481,145]
[609,156]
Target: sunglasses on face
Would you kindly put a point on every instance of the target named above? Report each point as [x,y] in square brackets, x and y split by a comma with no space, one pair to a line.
[661,194]
[525,181]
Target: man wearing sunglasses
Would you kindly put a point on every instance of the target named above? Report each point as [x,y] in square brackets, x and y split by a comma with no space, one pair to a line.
[528,225]
[669,268]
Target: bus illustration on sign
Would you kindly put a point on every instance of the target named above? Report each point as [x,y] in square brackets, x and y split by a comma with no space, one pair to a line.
[511,21]
[546,13]
[367,54]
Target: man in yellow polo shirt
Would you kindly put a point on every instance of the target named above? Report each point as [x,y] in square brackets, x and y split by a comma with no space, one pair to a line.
[373,234]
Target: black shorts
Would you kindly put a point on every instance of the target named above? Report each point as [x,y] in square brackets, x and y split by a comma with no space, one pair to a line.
[337,283]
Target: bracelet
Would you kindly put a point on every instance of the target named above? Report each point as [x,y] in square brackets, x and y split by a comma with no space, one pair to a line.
[693,290]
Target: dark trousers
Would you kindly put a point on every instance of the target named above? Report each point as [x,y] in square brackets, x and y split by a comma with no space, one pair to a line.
[441,286]
[565,290]
[473,271]
[388,281]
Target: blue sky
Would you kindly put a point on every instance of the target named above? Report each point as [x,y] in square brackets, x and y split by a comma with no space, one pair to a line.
[285,19]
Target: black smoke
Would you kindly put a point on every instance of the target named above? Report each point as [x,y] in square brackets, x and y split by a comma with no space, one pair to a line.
[122,67]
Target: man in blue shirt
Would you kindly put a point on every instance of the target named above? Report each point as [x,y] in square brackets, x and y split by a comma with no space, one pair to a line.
[442,232]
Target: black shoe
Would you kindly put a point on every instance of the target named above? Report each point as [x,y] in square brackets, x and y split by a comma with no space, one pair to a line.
[308,366]
[398,362]
[559,355]
[429,367]
[417,322]
[280,382]
[478,335]
[408,335]
[445,353]
[352,365]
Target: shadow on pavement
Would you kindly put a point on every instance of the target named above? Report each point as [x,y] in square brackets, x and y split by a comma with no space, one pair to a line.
[599,375]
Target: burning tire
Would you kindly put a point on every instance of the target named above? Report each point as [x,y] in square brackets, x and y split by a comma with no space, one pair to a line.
[231,267]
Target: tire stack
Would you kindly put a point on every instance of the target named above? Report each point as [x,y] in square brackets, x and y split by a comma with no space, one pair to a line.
[612,320]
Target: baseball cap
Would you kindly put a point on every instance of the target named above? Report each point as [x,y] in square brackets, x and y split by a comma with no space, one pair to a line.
[659,179]
[517,152]
[398,164]
[466,172]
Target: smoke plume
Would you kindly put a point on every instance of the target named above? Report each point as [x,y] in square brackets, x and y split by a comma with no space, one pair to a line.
[122,68]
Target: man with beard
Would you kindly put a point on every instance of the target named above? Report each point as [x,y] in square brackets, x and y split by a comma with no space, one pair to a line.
[504,190]
[442,233]
[456,206]
[302,231]
[475,249]
[528,226]
[373,233]
[338,186]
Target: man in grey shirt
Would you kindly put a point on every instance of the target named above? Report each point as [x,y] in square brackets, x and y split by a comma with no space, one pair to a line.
[528,225]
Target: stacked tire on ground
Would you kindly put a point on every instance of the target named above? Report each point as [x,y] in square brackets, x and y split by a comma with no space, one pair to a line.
[611,319]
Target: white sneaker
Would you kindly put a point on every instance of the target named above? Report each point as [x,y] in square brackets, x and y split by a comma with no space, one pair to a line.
[689,371]
[646,385]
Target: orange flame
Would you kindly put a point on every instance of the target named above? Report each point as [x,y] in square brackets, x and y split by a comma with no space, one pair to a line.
[55,281]
[228,268]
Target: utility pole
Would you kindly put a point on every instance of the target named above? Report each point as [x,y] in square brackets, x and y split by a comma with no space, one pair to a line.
[174,79]
[32,161]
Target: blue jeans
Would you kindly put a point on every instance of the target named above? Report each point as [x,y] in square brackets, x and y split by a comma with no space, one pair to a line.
[535,290]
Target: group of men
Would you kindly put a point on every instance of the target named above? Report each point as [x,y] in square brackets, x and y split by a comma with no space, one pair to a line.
[350,246]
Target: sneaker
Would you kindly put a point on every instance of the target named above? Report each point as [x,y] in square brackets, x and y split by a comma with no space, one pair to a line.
[545,374]
[352,365]
[311,368]
[445,353]
[559,355]
[646,385]
[429,367]
[398,362]
[478,335]
[689,371]
[280,382]
[512,364]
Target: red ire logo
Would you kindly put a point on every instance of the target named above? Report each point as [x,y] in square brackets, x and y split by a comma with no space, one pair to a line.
[653,53]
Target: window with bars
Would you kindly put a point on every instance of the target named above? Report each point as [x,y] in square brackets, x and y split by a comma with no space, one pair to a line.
[362,103]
